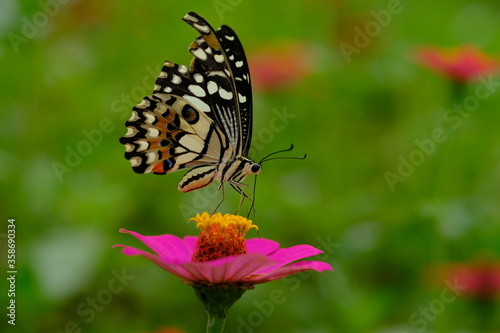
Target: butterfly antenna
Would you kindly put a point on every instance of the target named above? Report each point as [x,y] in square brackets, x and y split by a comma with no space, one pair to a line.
[274,153]
[268,157]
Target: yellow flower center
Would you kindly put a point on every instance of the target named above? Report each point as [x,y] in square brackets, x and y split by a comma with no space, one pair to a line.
[220,236]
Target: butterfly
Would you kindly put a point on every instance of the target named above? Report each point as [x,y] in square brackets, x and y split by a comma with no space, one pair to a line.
[198,117]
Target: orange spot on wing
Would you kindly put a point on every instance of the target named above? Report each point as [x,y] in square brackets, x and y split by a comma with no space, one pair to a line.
[158,168]
[213,42]
[164,119]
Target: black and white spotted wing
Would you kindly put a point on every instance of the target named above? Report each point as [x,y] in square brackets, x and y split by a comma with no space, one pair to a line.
[199,118]
[219,57]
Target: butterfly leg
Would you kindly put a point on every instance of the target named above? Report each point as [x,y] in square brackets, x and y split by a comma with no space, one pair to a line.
[221,187]
[238,188]
[242,199]
[252,208]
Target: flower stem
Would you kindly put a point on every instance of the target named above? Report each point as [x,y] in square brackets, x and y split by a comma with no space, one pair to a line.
[217,301]
[216,322]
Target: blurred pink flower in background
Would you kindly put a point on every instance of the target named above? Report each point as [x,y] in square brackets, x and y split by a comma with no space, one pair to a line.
[482,279]
[478,279]
[274,68]
[461,64]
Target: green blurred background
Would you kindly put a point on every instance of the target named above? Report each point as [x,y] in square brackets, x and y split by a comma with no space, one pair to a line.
[72,75]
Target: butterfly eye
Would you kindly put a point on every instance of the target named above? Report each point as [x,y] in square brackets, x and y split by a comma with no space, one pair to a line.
[255,168]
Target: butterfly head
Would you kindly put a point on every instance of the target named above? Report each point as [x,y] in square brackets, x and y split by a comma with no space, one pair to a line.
[255,168]
[247,167]
[239,168]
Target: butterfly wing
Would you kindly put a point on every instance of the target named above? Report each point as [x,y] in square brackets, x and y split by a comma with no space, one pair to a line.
[241,78]
[167,133]
[219,58]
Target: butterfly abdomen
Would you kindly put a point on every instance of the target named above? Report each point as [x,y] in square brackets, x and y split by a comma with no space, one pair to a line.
[197,178]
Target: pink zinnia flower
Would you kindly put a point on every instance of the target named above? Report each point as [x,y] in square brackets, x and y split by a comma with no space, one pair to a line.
[274,68]
[222,256]
[221,264]
[460,64]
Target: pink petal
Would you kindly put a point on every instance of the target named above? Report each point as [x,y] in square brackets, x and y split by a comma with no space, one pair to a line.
[261,245]
[297,267]
[168,247]
[171,267]
[250,264]
[190,243]
[285,256]
[230,269]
